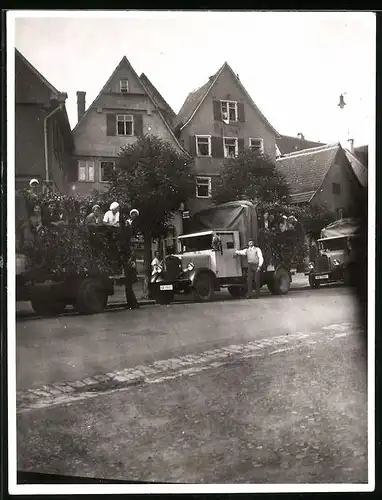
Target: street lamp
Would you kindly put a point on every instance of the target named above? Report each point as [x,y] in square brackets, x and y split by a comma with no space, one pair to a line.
[342,103]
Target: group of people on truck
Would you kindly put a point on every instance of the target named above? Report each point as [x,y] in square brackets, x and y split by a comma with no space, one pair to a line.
[39,219]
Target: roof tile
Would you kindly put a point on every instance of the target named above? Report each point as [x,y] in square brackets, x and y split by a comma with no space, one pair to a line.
[287,144]
[305,170]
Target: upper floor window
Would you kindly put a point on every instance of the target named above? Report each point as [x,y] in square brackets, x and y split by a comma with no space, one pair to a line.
[203,145]
[124,85]
[336,188]
[106,170]
[125,125]
[256,145]
[229,111]
[86,170]
[231,147]
[203,187]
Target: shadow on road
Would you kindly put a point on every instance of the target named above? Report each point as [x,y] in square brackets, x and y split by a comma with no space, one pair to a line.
[179,300]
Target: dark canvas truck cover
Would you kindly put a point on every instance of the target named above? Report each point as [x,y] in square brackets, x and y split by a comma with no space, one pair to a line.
[342,227]
[233,216]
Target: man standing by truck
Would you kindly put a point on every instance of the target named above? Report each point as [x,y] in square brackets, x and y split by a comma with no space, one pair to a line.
[255,261]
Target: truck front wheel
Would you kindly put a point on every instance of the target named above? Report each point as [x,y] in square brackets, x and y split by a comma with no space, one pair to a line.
[44,307]
[91,296]
[280,282]
[203,288]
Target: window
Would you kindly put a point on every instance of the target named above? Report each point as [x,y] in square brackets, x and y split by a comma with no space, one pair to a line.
[124,85]
[203,145]
[336,188]
[125,125]
[86,171]
[203,187]
[106,170]
[230,147]
[196,243]
[256,145]
[229,111]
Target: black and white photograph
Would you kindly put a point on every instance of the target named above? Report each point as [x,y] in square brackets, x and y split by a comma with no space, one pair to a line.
[191,226]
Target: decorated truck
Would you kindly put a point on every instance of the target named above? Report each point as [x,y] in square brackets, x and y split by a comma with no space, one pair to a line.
[336,253]
[67,264]
[194,265]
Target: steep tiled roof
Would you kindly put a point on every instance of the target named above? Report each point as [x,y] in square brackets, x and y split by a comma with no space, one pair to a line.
[287,144]
[362,153]
[359,169]
[305,170]
[195,98]
[37,73]
[168,113]
[302,197]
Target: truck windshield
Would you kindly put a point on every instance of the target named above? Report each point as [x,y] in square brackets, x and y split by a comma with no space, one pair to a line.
[333,244]
[196,243]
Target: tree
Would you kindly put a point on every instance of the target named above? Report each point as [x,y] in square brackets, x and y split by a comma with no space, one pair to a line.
[153,177]
[250,175]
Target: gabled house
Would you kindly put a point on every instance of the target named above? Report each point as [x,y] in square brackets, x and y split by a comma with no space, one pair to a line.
[288,144]
[126,107]
[215,122]
[43,138]
[327,175]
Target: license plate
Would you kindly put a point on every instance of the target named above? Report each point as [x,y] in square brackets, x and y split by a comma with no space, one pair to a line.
[166,287]
[323,276]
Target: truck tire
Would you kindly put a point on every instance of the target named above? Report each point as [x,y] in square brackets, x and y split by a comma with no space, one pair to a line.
[280,282]
[238,292]
[313,283]
[203,288]
[44,307]
[91,296]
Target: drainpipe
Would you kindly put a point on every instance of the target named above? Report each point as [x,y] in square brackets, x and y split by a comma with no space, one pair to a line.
[59,108]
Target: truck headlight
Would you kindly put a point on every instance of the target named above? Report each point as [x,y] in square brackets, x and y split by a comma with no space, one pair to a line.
[336,262]
[190,267]
[311,265]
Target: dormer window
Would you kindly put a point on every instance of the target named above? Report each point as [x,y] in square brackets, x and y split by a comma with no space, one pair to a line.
[229,111]
[124,85]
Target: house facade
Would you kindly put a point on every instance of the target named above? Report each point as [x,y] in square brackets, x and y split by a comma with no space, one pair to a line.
[215,122]
[126,107]
[43,138]
[327,175]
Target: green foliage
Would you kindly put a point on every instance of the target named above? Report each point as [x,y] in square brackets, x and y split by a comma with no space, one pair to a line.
[153,177]
[250,175]
[71,250]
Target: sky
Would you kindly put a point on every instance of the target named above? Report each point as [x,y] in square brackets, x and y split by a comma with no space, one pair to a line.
[294,65]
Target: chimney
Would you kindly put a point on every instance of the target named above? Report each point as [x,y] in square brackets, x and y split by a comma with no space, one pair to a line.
[351,145]
[80,104]
[301,136]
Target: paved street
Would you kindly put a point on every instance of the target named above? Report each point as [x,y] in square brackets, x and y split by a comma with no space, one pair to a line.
[265,391]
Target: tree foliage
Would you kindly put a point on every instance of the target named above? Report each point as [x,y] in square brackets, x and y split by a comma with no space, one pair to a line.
[250,175]
[153,177]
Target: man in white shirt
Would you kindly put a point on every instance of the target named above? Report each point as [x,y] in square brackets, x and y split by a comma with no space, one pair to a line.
[255,261]
[111,217]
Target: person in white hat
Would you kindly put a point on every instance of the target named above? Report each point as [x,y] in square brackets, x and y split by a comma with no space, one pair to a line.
[111,217]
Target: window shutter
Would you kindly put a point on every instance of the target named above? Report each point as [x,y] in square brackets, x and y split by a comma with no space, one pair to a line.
[240,112]
[240,144]
[73,171]
[193,145]
[138,125]
[111,124]
[217,147]
[217,111]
